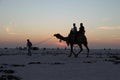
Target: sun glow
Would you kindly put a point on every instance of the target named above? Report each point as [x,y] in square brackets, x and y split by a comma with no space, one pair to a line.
[62,44]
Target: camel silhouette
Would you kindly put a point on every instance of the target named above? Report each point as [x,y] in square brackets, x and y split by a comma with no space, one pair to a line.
[80,39]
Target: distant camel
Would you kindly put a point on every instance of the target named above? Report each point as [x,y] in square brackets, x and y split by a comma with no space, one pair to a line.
[81,39]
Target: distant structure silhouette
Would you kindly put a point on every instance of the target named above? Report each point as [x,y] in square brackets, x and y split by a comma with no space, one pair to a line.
[29,46]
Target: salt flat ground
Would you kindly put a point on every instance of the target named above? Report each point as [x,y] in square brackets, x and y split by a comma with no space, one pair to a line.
[55,65]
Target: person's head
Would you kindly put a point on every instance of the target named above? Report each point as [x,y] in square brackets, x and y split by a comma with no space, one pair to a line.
[28,40]
[81,24]
[74,24]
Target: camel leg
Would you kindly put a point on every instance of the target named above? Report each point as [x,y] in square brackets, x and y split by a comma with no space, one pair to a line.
[87,49]
[81,49]
[71,51]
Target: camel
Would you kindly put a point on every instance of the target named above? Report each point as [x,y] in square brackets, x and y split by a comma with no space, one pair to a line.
[80,39]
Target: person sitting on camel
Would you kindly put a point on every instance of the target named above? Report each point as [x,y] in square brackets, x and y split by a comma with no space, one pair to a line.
[81,29]
[73,33]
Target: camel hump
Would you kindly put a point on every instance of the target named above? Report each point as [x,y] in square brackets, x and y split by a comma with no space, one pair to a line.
[77,37]
[81,35]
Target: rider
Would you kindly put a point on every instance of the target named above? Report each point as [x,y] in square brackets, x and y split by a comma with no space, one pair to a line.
[81,29]
[73,33]
[74,29]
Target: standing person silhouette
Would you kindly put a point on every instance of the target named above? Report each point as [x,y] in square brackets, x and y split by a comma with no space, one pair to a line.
[81,29]
[29,46]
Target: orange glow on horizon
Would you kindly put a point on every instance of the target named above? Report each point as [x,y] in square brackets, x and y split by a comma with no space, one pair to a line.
[62,44]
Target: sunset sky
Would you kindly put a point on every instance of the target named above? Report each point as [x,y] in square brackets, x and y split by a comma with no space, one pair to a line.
[38,20]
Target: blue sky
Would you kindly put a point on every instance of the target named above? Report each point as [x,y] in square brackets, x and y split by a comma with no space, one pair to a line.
[40,19]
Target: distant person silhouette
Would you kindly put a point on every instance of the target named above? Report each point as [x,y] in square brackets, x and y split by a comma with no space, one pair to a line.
[81,29]
[73,33]
[29,46]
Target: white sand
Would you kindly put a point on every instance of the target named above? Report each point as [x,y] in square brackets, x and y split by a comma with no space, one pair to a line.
[55,65]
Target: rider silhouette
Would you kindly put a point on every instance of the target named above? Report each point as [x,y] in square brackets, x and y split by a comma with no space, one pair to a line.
[81,29]
[74,29]
[73,33]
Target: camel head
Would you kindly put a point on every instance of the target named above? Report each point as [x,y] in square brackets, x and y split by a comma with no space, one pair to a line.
[60,37]
[57,35]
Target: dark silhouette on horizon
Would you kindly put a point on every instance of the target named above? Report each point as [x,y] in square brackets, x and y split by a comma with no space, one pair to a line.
[29,46]
[78,38]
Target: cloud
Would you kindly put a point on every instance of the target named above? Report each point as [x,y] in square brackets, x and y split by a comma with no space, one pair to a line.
[109,27]
[9,30]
